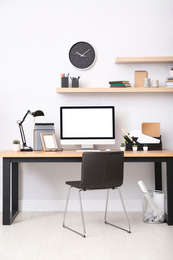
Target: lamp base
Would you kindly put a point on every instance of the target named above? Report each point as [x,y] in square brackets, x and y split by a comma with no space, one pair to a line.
[26,149]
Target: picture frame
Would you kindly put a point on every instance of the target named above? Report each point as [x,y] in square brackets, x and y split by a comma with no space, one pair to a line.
[49,142]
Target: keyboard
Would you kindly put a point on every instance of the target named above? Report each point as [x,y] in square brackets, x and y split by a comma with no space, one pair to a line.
[82,151]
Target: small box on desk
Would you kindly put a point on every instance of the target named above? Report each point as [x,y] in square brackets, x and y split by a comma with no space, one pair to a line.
[140,146]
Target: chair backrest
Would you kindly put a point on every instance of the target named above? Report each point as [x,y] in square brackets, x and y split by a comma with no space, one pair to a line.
[102,170]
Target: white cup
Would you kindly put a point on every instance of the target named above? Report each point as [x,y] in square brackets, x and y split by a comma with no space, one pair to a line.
[155,83]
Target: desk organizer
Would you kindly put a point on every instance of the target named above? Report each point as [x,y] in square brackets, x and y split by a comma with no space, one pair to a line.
[140,146]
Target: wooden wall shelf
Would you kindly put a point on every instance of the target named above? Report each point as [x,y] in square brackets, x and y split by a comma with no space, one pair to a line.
[114,90]
[162,59]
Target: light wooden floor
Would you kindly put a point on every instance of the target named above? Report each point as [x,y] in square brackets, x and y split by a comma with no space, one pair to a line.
[40,236]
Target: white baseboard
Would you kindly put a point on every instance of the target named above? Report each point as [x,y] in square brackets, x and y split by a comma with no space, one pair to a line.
[88,205]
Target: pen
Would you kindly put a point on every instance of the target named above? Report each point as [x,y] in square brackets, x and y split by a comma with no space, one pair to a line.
[128,136]
[125,140]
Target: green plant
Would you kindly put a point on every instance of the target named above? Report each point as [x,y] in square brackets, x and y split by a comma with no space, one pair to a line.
[135,145]
[145,145]
[122,144]
[16,142]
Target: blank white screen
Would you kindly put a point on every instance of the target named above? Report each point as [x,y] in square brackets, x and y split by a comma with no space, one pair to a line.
[87,123]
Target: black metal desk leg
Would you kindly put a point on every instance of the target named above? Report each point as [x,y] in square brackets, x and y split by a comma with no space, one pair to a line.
[169,216]
[158,175]
[6,191]
[10,211]
[14,187]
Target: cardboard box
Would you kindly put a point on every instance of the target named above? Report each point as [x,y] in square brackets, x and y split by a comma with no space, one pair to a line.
[140,75]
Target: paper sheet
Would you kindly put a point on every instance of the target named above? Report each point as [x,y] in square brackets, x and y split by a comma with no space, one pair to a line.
[144,139]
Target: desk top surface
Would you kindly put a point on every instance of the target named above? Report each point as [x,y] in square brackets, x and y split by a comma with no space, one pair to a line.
[73,153]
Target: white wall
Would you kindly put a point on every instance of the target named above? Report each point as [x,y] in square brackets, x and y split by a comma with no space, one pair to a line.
[36,36]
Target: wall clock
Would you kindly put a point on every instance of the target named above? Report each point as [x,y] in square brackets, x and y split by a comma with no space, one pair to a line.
[82,55]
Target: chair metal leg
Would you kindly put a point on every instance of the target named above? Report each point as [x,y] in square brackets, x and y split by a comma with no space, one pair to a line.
[82,215]
[129,228]
[121,197]
[105,217]
[65,211]
[106,208]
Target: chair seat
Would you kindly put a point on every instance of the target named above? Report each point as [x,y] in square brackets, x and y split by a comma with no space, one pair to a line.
[77,184]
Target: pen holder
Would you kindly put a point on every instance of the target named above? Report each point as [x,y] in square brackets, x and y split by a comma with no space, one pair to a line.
[64,82]
[75,83]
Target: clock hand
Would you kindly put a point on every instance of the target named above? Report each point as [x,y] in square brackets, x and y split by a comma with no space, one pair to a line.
[78,53]
[81,55]
[85,53]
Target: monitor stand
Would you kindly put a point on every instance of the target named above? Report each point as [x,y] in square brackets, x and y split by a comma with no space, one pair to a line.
[87,148]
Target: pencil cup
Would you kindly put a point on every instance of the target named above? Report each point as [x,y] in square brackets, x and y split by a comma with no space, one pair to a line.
[153,206]
[75,83]
[64,82]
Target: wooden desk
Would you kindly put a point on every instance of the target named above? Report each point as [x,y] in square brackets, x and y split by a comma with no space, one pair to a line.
[12,159]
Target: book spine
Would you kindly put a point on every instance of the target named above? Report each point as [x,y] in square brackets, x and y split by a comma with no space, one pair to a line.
[114,85]
[118,82]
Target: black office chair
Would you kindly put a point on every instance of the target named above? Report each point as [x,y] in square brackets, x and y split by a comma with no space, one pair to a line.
[100,170]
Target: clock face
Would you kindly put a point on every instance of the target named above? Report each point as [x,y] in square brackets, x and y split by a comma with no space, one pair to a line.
[82,55]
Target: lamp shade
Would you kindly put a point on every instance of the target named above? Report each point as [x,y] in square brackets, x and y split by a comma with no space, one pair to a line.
[38,113]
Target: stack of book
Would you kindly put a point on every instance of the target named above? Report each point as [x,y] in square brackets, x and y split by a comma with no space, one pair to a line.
[169,82]
[119,84]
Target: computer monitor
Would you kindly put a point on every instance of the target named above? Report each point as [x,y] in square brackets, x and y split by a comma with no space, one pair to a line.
[87,126]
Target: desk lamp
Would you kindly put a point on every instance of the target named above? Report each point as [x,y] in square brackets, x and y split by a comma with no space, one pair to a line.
[26,148]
